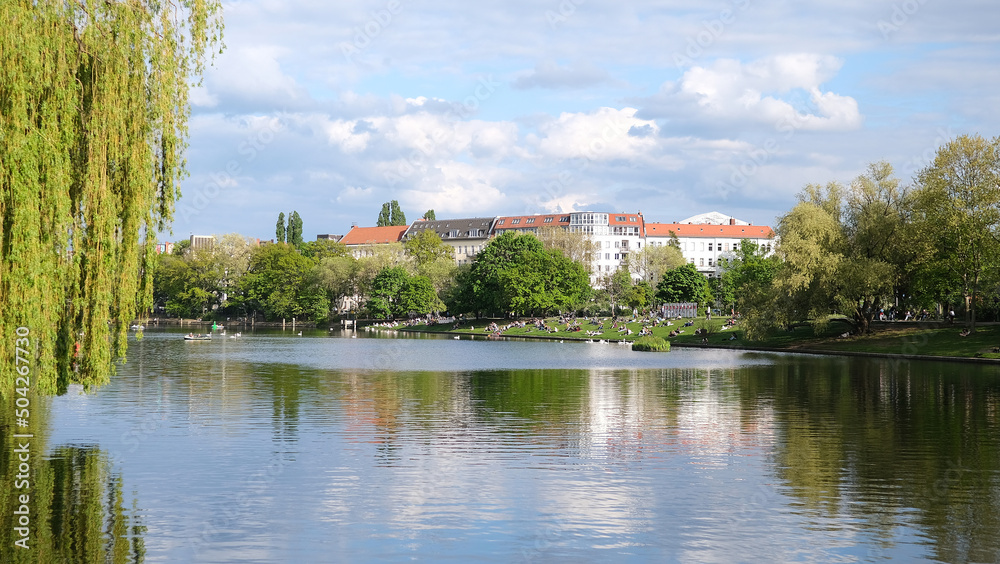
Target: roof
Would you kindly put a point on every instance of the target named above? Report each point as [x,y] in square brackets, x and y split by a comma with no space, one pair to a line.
[374,235]
[629,219]
[705,230]
[508,222]
[453,229]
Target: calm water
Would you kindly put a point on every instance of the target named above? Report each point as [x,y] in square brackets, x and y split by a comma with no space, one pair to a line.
[274,448]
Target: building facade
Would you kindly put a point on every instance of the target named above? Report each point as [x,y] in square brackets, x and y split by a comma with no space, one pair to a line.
[703,242]
[467,236]
[703,239]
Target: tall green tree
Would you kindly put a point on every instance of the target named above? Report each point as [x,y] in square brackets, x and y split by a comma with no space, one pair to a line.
[279,229]
[396,215]
[958,213]
[683,284]
[93,124]
[514,273]
[747,277]
[294,229]
[386,288]
[282,283]
[384,216]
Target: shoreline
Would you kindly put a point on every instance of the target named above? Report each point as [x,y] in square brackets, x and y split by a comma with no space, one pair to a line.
[741,347]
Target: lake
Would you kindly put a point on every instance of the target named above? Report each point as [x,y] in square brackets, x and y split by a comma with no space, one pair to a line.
[322,448]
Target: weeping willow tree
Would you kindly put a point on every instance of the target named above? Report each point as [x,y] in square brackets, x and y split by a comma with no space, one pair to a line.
[93,114]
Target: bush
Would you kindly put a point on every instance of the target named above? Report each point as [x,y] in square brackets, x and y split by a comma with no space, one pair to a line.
[650,343]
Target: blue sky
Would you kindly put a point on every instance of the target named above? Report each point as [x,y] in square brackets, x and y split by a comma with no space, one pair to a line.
[670,107]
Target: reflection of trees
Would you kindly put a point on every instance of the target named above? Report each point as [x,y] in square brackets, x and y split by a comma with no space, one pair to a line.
[77,510]
[863,440]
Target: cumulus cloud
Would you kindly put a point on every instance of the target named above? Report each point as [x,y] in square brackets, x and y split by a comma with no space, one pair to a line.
[600,135]
[758,92]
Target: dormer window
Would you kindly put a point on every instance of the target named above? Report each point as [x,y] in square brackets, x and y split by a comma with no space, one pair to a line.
[547,220]
[530,220]
[515,221]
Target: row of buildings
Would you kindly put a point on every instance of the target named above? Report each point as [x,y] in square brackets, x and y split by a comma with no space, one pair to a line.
[703,239]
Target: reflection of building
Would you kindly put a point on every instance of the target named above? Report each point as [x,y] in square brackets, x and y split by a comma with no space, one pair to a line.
[327,237]
[467,236]
[706,238]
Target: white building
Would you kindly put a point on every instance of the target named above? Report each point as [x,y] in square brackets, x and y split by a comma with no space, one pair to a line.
[618,234]
[706,238]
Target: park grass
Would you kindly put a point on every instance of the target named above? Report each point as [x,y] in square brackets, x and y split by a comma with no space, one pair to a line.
[911,338]
[651,343]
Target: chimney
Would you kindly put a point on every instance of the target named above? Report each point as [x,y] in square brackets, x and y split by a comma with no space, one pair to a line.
[732,221]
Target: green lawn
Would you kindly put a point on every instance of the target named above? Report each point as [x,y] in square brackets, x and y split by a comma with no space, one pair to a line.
[898,338]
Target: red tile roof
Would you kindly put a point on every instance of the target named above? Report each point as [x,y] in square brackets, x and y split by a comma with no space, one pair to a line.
[703,230]
[373,235]
[506,221]
[630,219]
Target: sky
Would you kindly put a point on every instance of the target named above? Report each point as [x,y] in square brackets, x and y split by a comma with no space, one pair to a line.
[670,108]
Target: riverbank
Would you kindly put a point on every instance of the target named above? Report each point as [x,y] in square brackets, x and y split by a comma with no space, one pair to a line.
[917,340]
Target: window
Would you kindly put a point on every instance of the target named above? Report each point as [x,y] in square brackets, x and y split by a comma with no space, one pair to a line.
[691,261]
[631,219]
[709,262]
[453,233]
[703,246]
[500,222]
[607,244]
[564,219]
[515,221]
[547,220]
[607,256]
[701,262]
[607,268]
[620,218]
[727,246]
[710,247]
[616,256]
[617,244]
[530,220]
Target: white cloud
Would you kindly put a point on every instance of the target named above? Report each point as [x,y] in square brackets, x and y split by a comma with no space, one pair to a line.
[601,135]
[739,94]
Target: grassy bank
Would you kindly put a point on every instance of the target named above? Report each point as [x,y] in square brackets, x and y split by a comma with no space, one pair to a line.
[923,339]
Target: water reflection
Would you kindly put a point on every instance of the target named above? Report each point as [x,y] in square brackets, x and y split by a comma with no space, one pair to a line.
[706,457]
[77,508]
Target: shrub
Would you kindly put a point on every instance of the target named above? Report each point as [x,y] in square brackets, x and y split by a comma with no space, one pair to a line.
[650,343]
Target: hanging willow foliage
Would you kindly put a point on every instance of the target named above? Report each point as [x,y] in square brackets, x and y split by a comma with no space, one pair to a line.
[93,123]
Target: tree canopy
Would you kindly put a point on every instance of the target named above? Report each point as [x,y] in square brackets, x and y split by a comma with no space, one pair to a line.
[514,273]
[294,229]
[280,229]
[93,124]
[391,214]
[683,284]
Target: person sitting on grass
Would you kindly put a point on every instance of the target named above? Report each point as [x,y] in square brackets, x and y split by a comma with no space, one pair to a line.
[965,333]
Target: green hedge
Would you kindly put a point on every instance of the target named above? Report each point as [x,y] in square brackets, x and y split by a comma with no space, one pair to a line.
[650,343]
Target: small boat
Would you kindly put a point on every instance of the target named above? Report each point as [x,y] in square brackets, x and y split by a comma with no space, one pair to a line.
[197,337]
